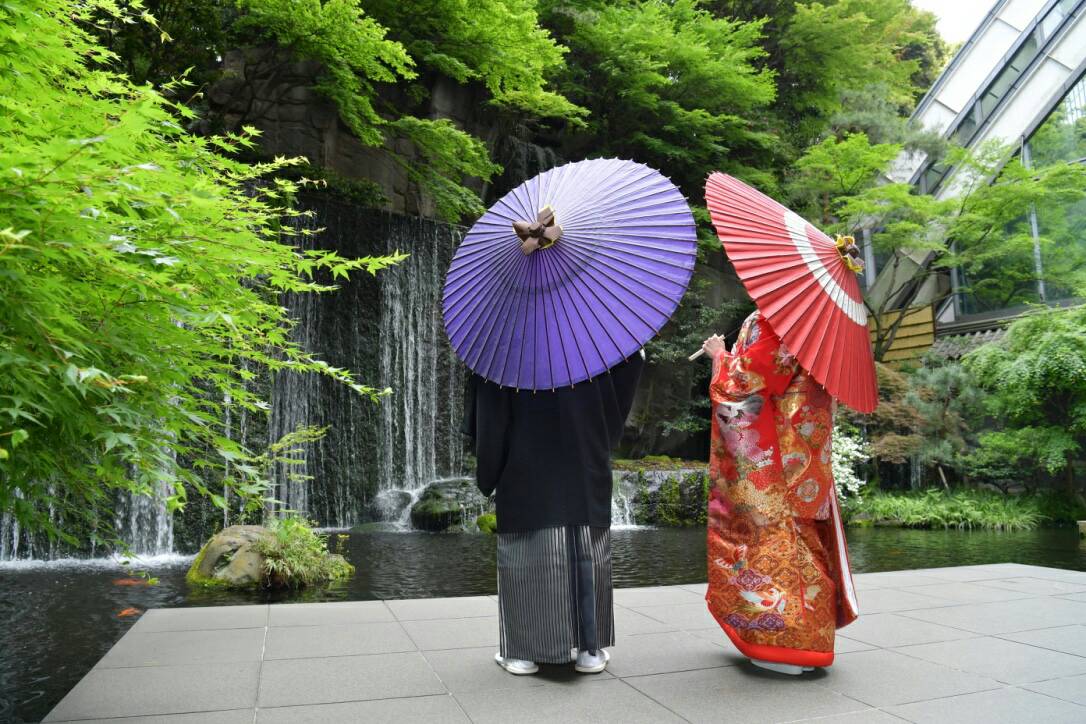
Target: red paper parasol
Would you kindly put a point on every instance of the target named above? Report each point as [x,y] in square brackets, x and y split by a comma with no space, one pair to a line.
[803,284]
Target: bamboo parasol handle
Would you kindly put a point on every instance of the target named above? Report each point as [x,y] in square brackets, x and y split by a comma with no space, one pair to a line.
[701,352]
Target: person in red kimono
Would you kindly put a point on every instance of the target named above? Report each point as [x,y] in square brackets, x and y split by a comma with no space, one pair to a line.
[779,578]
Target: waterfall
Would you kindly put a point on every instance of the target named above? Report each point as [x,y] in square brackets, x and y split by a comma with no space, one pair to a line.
[143,522]
[375,458]
[140,521]
[13,542]
[623,492]
[916,473]
[421,421]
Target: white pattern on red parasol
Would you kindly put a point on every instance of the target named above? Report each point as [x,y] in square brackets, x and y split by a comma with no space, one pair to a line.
[802,286]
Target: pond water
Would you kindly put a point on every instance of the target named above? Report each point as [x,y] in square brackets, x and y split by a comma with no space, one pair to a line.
[57,619]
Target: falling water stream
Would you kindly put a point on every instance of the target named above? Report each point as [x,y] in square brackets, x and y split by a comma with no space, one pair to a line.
[374,458]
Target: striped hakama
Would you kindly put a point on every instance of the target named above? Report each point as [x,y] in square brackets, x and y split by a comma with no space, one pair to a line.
[554,592]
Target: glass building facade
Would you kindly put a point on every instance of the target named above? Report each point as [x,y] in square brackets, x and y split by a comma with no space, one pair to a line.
[1049,243]
[1027,51]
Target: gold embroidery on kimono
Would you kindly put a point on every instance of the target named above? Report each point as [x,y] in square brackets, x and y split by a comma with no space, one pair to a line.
[776,557]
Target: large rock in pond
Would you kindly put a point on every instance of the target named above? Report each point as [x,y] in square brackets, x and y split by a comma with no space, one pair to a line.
[231,558]
[671,498]
[448,504]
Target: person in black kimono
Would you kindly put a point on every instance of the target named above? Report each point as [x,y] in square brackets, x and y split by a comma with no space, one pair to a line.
[546,455]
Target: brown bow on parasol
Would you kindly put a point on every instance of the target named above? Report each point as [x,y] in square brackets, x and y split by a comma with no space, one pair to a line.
[538,234]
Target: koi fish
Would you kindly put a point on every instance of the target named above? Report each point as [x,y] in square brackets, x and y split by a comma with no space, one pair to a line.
[130,611]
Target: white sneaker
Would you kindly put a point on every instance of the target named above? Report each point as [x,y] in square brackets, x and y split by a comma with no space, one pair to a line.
[589,663]
[518,667]
[789,669]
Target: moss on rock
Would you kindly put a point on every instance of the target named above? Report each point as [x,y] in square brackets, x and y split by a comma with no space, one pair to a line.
[231,559]
[657,462]
[448,505]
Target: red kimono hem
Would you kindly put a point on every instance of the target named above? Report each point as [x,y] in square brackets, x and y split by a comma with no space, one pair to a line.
[775,654]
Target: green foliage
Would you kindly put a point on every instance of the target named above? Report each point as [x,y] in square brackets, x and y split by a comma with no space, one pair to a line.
[1060,507]
[983,231]
[498,43]
[870,110]
[939,509]
[674,389]
[833,46]
[487,523]
[1061,138]
[364,50]
[141,273]
[822,51]
[993,241]
[447,155]
[692,87]
[296,556]
[1036,377]
[950,405]
[1021,455]
[831,171]
[668,84]
[355,57]
[360,191]
[351,47]
[172,39]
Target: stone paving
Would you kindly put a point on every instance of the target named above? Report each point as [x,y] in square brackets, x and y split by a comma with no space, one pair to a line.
[992,643]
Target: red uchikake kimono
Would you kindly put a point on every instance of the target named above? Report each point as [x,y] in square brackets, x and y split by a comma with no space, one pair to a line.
[779,577]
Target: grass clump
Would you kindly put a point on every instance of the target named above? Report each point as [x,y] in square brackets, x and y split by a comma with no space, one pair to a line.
[964,509]
[295,556]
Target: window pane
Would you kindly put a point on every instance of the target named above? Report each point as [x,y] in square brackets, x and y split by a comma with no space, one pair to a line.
[990,281]
[1062,136]
[966,128]
[1061,225]
[1052,21]
[1063,246]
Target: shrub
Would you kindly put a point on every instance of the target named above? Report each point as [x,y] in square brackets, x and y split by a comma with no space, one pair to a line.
[1036,378]
[487,523]
[849,450]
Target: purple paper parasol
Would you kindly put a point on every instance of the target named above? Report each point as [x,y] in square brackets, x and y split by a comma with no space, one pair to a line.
[559,300]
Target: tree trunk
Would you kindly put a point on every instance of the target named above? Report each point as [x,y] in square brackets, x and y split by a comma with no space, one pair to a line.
[942,476]
[1070,475]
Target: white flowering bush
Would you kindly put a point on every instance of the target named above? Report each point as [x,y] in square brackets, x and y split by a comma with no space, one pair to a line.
[849,450]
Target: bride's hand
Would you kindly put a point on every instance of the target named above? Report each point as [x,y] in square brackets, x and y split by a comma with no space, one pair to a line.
[713,346]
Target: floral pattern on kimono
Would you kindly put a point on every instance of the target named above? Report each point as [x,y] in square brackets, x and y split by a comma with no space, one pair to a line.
[773,585]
